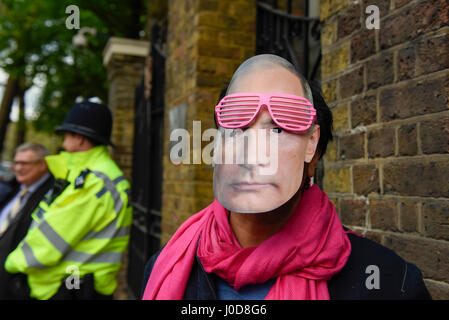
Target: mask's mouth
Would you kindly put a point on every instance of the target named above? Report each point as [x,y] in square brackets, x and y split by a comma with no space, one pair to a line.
[260,188]
[251,186]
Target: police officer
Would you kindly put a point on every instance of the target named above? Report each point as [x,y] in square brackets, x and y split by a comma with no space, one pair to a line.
[74,247]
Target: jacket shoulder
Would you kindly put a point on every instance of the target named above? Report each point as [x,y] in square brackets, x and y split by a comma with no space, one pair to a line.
[106,164]
[109,174]
[374,271]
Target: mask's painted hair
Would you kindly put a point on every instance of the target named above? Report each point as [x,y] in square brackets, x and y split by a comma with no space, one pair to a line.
[269,61]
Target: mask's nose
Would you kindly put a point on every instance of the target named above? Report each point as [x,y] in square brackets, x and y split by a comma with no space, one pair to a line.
[252,147]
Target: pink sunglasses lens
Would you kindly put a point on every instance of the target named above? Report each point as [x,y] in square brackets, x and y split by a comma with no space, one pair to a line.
[291,113]
[236,111]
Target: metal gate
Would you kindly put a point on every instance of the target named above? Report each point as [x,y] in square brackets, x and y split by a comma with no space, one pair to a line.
[146,195]
[290,36]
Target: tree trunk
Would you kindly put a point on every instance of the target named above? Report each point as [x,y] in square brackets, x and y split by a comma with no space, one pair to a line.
[21,123]
[6,106]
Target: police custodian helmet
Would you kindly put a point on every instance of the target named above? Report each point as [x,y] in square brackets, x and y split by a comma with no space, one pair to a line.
[89,119]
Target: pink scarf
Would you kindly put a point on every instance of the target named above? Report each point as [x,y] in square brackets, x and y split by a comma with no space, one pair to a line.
[302,256]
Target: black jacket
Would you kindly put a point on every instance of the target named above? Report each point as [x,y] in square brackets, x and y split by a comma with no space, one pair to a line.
[399,280]
[18,228]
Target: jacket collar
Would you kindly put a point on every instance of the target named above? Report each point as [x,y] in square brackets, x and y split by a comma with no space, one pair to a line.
[67,165]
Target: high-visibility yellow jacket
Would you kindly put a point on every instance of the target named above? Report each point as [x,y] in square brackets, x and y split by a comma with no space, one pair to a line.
[84,229]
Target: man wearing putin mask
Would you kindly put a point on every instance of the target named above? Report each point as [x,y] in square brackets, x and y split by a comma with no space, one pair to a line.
[270,233]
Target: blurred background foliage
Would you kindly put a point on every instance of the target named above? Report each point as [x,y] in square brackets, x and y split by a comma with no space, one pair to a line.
[36,48]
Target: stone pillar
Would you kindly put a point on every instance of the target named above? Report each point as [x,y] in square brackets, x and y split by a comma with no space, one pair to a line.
[388,89]
[206,42]
[124,60]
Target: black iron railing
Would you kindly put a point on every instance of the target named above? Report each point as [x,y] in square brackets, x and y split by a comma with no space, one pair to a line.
[290,36]
[146,195]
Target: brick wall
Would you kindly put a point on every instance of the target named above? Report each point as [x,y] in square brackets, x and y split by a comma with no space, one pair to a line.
[206,41]
[387,171]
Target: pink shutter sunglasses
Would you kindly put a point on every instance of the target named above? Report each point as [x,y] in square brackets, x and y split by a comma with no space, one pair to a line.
[290,112]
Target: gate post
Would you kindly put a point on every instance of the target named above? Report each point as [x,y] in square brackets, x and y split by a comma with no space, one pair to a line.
[124,60]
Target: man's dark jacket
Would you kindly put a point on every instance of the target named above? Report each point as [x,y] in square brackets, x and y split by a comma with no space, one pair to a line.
[399,280]
[18,228]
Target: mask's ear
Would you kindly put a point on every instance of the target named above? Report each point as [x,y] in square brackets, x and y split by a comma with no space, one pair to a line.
[312,143]
[312,165]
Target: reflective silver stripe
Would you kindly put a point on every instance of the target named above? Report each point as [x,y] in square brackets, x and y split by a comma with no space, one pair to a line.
[111,231]
[55,239]
[110,186]
[107,257]
[115,181]
[122,232]
[30,258]
[104,257]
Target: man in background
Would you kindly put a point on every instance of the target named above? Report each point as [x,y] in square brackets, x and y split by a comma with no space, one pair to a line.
[32,181]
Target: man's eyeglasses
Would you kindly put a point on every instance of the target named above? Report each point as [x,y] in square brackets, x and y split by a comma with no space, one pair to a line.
[290,112]
[25,163]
